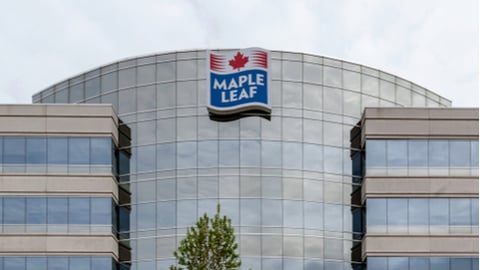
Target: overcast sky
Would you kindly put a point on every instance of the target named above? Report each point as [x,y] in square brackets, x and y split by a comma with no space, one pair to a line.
[433,43]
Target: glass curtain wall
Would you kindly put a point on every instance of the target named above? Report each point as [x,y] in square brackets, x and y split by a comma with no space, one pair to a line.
[284,182]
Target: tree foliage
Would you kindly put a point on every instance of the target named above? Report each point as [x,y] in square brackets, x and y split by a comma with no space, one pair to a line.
[209,245]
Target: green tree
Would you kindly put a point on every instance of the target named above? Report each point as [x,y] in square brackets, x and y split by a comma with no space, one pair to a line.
[209,245]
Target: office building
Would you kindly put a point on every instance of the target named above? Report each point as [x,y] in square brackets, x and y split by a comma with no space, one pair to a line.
[59,194]
[285,180]
[416,206]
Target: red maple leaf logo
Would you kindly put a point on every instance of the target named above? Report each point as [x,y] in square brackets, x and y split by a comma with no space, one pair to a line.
[238,61]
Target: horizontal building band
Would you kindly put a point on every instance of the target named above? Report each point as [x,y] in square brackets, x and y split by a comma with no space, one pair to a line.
[419,187]
[32,244]
[419,245]
[88,120]
[93,185]
[419,123]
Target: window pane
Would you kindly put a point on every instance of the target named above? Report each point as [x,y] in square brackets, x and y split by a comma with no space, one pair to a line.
[271,154]
[101,263]
[166,71]
[109,82]
[127,101]
[92,88]
[126,77]
[419,263]
[459,212]
[333,100]
[397,215]
[40,263]
[292,155]
[292,94]
[332,76]
[79,263]
[57,150]
[271,212]
[14,263]
[417,153]
[36,210]
[250,212]
[146,216]
[250,153]
[312,157]
[459,154]
[397,263]
[57,210]
[101,151]
[146,158]
[76,93]
[14,210]
[187,93]
[14,150]
[292,213]
[474,209]
[460,263]
[228,153]
[186,213]
[438,153]
[57,263]
[146,98]
[418,215]
[187,155]
[438,211]
[208,154]
[36,150]
[146,74]
[396,153]
[474,154]
[166,156]
[376,215]
[313,215]
[439,263]
[166,95]
[333,159]
[312,73]
[166,130]
[376,152]
[312,97]
[333,217]
[166,214]
[370,85]
[377,263]
[79,211]
[101,210]
[78,150]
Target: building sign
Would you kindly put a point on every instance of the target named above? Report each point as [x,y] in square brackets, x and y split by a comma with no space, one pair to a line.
[238,81]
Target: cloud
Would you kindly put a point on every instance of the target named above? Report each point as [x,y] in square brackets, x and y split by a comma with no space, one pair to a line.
[432,43]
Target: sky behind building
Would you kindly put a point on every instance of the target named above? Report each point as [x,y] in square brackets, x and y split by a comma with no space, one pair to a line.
[432,43]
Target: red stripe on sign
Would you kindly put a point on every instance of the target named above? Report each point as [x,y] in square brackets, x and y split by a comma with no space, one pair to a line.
[260,59]
[217,63]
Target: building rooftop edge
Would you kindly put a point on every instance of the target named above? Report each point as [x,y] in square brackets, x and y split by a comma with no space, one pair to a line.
[227,49]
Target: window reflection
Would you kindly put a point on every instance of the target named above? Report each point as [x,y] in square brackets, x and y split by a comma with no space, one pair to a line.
[421,157]
[417,215]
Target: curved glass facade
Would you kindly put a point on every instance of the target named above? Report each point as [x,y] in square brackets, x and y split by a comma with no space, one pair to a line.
[285,182]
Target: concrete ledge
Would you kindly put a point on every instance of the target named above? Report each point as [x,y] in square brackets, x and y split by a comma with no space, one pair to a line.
[98,185]
[419,187]
[56,119]
[42,245]
[420,245]
[420,123]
